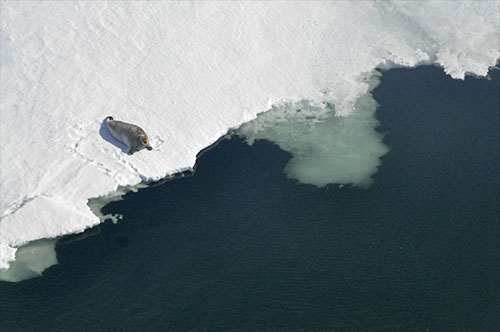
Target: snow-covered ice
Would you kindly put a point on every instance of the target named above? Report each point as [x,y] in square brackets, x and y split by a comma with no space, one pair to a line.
[187,72]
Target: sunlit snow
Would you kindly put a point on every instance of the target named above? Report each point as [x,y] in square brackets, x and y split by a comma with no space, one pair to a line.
[187,72]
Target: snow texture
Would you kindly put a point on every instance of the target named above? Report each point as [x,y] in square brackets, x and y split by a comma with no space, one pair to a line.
[187,72]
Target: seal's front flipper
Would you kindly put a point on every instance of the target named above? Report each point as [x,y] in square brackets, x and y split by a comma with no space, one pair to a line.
[149,148]
[130,152]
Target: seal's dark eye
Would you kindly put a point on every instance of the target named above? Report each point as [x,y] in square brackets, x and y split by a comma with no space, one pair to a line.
[145,140]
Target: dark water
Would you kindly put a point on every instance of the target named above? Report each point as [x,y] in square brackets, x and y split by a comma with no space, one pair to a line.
[239,247]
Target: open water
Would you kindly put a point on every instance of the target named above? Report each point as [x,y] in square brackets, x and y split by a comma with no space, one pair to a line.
[238,246]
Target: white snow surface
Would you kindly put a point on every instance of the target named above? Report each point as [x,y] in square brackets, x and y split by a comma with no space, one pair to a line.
[186,73]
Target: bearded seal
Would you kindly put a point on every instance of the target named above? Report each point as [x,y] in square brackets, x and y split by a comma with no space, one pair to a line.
[131,135]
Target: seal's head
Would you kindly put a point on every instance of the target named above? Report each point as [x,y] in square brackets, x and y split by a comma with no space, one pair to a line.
[143,142]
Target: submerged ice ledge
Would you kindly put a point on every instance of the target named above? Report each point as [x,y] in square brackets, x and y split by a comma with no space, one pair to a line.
[187,72]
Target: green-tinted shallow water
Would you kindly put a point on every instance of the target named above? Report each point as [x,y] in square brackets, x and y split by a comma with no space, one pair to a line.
[239,247]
